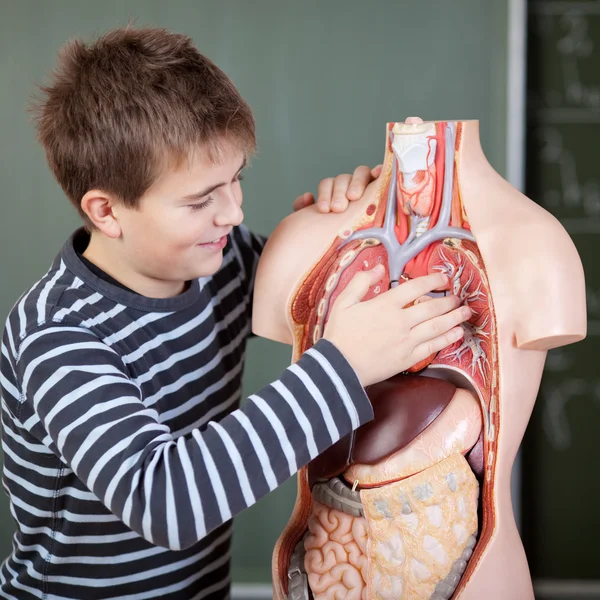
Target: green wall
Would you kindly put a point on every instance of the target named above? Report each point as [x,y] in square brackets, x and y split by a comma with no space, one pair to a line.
[323,79]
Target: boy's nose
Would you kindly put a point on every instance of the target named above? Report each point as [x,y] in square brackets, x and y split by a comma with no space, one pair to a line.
[230,212]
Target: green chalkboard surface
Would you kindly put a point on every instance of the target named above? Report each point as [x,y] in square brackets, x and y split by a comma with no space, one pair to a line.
[561,482]
[323,78]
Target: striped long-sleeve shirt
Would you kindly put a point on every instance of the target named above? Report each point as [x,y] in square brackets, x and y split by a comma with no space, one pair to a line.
[126,453]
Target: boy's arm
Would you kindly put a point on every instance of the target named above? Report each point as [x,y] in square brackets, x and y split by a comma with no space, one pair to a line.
[80,401]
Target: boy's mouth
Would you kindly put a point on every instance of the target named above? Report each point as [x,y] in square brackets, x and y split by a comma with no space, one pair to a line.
[216,244]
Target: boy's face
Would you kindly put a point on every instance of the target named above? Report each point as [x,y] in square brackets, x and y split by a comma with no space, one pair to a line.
[179,229]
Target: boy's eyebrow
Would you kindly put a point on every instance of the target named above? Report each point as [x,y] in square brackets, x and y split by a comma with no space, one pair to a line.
[211,188]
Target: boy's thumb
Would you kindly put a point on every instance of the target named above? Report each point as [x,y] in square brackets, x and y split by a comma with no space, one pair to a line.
[359,285]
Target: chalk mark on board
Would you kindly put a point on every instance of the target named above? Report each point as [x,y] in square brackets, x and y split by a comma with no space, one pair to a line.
[559,7]
[555,421]
[572,193]
[568,31]
[576,45]
[559,360]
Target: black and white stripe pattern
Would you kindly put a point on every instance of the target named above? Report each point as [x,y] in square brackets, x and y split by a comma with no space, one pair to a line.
[126,452]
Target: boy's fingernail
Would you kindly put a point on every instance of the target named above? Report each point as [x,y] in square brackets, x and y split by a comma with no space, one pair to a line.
[457,334]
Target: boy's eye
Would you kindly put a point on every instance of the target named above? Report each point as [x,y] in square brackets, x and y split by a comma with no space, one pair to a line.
[201,205]
[239,177]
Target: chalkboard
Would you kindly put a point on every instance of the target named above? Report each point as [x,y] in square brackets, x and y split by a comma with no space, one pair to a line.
[323,78]
[561,482]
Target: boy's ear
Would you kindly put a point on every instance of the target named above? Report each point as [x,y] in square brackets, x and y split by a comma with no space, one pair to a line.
[99,207]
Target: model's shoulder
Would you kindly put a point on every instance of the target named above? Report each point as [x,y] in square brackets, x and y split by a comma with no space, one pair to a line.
[537,279]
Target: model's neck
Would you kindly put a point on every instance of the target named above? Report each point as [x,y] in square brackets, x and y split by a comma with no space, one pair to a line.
[469,153]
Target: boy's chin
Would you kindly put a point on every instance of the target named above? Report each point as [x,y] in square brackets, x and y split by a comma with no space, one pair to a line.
[206,269]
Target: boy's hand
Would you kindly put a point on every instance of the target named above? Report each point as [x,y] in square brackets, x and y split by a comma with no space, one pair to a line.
[334,194]
[381,337]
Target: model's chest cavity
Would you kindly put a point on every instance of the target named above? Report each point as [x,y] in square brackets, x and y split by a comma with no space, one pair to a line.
[458,259]
[416,227]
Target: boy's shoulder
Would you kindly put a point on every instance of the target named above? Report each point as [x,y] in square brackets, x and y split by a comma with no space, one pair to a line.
[51,299]
[246,240]
[247,248]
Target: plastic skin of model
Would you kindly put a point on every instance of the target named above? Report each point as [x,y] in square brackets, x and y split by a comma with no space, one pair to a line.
[417,502]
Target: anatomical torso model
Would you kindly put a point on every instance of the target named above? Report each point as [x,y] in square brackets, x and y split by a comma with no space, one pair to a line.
[416,503]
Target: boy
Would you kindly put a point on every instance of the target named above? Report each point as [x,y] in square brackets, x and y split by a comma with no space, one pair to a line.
[126,454]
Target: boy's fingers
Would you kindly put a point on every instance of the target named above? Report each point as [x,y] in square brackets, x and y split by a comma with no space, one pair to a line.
[360,180]
[339,202]
[376,171]
[324,194]
[434,307]
[437,326]
[358,287]
[432,346]
[415,288]
[303,201]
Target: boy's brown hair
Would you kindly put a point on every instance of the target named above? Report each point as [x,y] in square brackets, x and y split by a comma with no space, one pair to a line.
[136,101]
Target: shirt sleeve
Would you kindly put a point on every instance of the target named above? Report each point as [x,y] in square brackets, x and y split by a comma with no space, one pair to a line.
[78,399]
[248,247]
